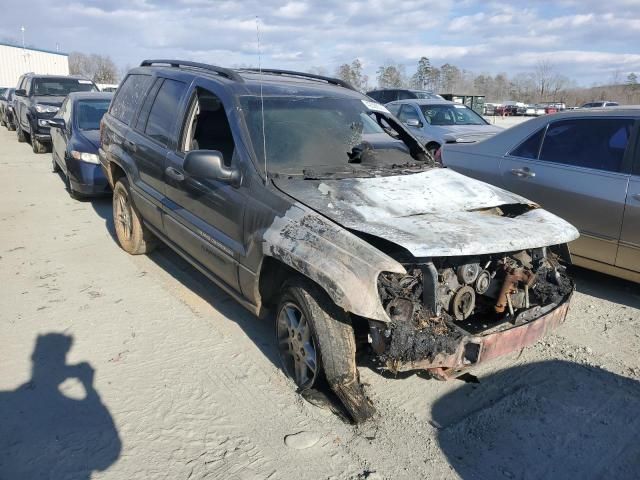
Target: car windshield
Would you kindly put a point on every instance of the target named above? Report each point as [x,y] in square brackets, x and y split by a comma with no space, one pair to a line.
[61,87]
[89,113]
[320,133]
[442,115]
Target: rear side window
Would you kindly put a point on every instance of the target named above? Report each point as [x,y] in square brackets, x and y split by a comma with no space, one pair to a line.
[405,95]
[597,143]
[129,96]
[530,147]
[164,111]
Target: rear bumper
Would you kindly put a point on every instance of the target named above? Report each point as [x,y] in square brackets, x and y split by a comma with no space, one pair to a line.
[475,349]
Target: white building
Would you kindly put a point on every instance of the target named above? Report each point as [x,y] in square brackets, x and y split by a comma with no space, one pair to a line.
[15,61]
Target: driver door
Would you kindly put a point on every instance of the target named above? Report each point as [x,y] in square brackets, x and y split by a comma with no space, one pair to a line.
[205,216]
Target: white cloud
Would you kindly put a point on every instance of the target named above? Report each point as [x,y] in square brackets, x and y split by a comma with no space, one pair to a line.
[586,39]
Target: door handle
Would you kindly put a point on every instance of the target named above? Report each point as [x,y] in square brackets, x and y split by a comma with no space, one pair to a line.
[523,172]
[130,145]
[174,174]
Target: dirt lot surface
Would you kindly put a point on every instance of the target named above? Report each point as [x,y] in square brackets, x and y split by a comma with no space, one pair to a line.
[121,367]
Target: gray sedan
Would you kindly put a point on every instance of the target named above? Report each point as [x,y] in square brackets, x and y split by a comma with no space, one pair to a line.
[436,122]
[583,165]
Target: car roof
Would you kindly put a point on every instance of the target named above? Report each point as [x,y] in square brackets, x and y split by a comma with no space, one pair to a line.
[253,82]
[75,96]
[426,101]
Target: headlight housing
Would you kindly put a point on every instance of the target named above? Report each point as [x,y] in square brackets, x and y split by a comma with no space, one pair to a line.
[40,108]
[85,157]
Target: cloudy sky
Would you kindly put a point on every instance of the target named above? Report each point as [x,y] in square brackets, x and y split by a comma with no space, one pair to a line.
[587,40]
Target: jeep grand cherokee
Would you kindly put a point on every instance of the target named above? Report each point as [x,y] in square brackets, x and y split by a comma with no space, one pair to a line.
[295,192]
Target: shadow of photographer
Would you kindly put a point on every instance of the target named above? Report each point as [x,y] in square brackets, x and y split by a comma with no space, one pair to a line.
[55,425]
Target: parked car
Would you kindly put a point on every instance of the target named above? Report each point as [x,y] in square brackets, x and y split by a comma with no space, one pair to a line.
[294,192]
[581,166]
[75,139]
[490,108]
[3,89]
[530,111]
[6,109]
[599,104]
[386,95]
[540,110]
[436,122]
[38,98]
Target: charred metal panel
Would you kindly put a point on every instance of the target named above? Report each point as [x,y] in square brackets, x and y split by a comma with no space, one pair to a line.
[433,213]
[345,266]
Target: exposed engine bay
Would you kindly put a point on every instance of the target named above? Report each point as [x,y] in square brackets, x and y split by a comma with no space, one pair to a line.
[438,303]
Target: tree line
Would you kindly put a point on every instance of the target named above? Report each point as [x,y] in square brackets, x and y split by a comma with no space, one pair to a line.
[542,84]
[99,68]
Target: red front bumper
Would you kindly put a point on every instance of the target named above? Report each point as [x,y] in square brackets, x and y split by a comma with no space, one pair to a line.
[475,349]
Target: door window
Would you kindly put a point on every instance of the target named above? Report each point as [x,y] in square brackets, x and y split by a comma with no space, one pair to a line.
[407,112]
[207,126]
[530,147]
[130,94]
[597,143]
[162,116]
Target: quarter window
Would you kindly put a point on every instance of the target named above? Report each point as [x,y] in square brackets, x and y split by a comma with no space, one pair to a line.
[530,147]
[129,96]
[164,111]
[597,143]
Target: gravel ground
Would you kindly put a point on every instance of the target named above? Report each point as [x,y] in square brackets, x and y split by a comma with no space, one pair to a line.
[115,366]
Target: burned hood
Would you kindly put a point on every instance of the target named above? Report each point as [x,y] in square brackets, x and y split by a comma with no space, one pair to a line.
[434,213]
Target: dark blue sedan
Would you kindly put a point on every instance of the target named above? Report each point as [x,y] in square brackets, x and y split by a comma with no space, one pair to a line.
[75,138]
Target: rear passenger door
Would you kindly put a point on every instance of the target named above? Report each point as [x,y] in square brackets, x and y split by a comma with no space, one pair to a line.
[152,137]
[580,174]
[629,250]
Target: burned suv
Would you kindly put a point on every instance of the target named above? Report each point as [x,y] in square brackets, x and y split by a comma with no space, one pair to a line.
[295,193]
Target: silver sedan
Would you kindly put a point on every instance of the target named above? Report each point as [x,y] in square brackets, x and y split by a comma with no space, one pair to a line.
[583,165]
[436,122]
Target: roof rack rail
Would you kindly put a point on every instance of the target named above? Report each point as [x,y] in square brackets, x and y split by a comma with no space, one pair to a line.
[225,72]
[333,81]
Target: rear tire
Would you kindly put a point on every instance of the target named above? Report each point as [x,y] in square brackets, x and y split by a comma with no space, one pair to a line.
[134,237]
[330,333]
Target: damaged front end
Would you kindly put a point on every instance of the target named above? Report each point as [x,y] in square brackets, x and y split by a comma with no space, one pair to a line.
[451,313]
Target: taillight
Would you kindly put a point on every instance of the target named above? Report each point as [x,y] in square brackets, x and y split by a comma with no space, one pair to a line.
[438,155]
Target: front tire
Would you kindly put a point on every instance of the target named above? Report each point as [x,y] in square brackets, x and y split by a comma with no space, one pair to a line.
[37,146]
[22,137]
[134,237]
[316,341]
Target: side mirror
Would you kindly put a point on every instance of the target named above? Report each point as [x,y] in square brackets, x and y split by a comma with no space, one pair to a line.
[56,123]
[208,164]
[21,92]
[413,122]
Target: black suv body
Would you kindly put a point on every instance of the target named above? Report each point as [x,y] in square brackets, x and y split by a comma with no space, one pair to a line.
[295,191]
[37,99]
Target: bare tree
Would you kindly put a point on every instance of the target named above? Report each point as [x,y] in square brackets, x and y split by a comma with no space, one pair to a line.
[99,68]
[352,74]
[543,74]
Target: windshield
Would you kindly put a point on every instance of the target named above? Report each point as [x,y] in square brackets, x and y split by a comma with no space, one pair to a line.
[326,134]
[61,87]
[90,112]
[441,115]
